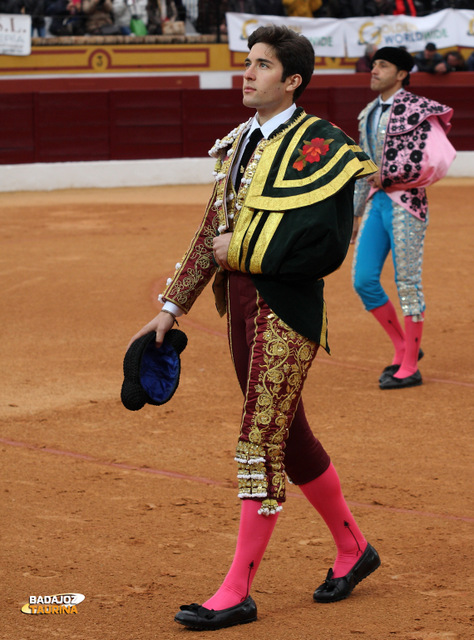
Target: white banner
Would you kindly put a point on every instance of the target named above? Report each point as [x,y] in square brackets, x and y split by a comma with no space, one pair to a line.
[15,34]
[441,27]
[466,28]
[338,38]
[323,33]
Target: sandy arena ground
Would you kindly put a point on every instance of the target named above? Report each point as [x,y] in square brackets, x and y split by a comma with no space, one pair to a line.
[138,511]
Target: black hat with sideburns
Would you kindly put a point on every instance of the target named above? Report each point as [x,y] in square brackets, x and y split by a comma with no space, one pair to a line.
[399,57]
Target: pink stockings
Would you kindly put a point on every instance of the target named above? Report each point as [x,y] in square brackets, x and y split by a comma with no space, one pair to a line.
[387,316]
[325,495]
[255,531]
[413,333]
[406,343]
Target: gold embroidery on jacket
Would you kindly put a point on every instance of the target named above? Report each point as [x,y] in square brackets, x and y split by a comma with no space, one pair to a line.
[323,340]
[195,269]
[248,236]
[352,168]
[264,239]
[243,234]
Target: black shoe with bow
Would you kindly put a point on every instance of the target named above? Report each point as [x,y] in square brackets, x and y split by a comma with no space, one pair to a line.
[334,589]
[391,382]
[198,617]
[393,368]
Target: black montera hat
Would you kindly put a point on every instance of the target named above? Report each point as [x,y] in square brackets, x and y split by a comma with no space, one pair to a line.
[151,374]
[399,57]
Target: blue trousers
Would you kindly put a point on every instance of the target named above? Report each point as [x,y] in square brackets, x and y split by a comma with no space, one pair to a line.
[386,227]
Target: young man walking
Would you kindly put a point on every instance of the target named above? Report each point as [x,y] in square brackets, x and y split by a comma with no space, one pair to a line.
[405,135]
[279,220]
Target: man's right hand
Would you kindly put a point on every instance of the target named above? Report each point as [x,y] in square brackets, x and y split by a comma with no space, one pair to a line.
[220,248]
[161,323]
[375,180]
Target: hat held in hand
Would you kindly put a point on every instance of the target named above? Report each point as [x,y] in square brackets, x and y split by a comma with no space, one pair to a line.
[151,374]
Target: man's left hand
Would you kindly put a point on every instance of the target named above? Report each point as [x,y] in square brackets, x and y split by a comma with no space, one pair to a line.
[220,247]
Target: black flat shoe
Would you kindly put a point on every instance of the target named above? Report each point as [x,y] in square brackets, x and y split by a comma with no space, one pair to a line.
[335,589]
[389,371]
[197,617]
[393,368]
[390,382]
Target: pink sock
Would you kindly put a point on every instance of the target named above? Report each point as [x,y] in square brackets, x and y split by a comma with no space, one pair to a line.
[387,316]
[325,495]
[255,531]
[413,333]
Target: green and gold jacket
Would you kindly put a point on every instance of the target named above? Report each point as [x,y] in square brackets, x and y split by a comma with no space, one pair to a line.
[291,220]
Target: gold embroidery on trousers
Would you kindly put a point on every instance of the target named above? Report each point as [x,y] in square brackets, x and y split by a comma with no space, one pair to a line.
[285,362]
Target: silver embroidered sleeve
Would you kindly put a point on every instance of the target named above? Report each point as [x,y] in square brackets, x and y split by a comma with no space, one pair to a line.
[361,191]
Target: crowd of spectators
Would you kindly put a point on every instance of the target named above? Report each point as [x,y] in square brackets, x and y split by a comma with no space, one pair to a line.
[342,8]
[123,17]
[430,60]
[97,17]
[211,12]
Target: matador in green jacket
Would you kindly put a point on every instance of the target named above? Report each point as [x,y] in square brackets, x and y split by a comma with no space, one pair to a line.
[279,220]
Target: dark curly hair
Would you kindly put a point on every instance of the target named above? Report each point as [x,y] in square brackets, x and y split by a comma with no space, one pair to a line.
[294,51]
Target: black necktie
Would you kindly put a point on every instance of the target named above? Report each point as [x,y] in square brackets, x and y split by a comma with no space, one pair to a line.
[384,106]
[254,139]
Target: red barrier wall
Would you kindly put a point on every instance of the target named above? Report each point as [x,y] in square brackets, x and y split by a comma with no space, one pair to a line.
[128,119]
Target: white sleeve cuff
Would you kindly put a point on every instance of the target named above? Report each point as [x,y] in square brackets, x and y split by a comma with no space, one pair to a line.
[173,308]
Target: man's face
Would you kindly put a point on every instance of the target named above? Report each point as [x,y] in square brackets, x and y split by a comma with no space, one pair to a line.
[386,78]
[429,55]
[263,87]
[452,61]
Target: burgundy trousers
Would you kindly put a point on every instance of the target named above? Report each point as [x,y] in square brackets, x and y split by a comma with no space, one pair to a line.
[251,341]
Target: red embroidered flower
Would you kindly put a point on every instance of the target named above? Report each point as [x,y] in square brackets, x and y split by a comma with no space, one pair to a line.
[311,152]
